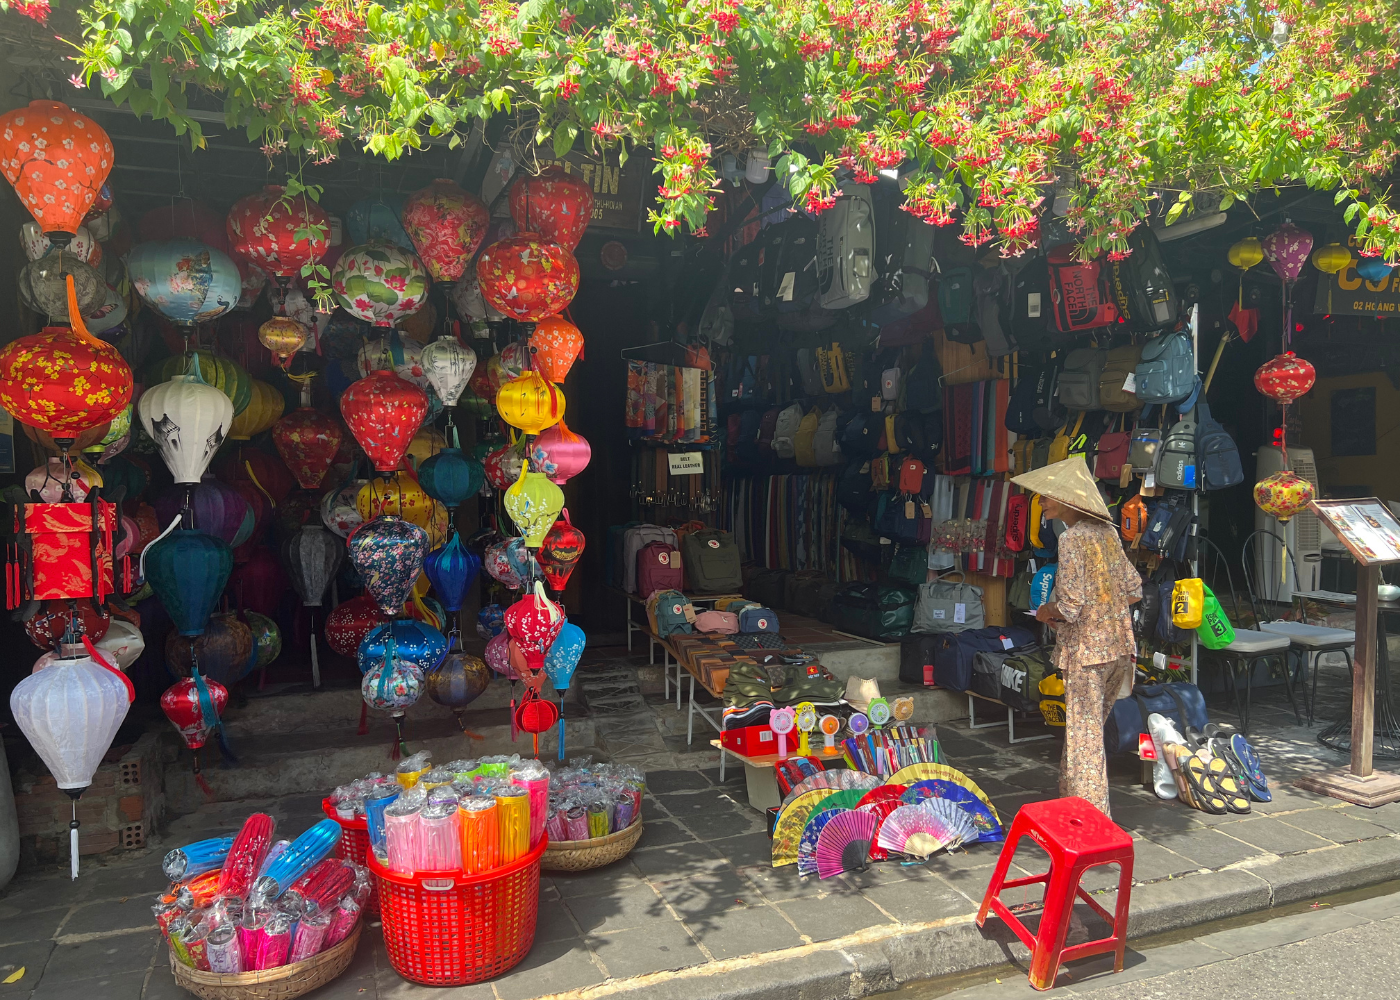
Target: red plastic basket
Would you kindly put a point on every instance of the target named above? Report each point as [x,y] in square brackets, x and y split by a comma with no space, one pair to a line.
[450,929]
[353,845]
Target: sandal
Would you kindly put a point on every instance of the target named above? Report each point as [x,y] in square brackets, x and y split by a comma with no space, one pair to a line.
[1204,792]
[1176,754]
[1248,757]
[1231,789]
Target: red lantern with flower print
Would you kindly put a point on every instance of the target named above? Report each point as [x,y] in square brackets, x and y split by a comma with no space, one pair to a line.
[560,552]
[446,225]
[57,160]
[1285,377]
[555,204]
[280,237]
[307,440]
[383,412]
[534,622]
[527,278]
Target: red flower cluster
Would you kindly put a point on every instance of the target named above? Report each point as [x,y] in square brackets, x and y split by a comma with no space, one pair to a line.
[567,89]
[502,46]
[341,24]
[37,10]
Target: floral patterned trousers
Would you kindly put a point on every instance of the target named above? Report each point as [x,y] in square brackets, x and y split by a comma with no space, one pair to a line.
[1090,691]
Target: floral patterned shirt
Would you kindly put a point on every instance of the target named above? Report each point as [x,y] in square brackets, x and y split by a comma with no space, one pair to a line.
[1094,588]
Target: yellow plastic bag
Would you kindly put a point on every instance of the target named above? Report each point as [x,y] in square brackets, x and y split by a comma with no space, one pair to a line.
[1188,603]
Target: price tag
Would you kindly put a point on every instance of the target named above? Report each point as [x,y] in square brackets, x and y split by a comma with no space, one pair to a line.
[1147,750]
[960,613]
[1005,642]
[685,463]
[1130,383]
[785,289]
[1033,305]
[875,404]
[1149,481]
[885,541]
[928,511]
[909,509]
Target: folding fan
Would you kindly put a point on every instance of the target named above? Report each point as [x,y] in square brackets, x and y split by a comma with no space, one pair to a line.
[880,808]
[916,832]
[919,772]
[787,832]
[837,780]
[880,794]
[844,843]
[811,833]
[942,790]
[956,816]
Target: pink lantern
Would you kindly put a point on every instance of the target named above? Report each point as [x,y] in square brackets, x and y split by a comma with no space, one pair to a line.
[446,225]
[497,655]
[1287,249]
[560,453]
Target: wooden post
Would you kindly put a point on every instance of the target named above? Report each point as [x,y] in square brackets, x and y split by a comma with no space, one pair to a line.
[1363,685]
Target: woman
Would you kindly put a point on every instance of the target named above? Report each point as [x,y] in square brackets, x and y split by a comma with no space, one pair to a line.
[1095,588]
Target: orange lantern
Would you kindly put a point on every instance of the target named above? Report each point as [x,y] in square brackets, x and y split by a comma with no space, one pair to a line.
[283,336]
[555,345]
[530,402]
[57,161]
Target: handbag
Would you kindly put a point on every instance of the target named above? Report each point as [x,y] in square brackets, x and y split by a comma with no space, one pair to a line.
[1112,454]
[945,606]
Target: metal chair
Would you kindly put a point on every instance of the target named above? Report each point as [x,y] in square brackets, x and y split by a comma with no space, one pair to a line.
[1306,642]
[1249,647]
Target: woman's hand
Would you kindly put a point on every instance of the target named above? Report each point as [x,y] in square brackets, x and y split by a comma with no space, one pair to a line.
[1048,612]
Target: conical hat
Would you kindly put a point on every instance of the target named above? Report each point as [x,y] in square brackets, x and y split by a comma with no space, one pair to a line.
[1070,483]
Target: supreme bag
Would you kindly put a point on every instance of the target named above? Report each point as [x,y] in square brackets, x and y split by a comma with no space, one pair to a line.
[953,652]
[1021,674]
[712,562]
[1217,457]
[945,606]
[659,568]
[1117,379]
[1179,701]
[1142,287]
[956,298]
[1167,371]
[1018,515]
[1079,291]
[1081,378]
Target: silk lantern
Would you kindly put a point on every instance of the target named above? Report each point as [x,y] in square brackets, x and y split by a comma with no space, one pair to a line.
[554,346]
[446,225]
[283,336]
[400,494]
[47,627]
[1330,259]
[533,503]
[223,373]
[82,246]
[388,552]
[1283,494]
[522,561]
[448,367]
[458,682]
[187,569]
[530,402]
[217,508]
[1286,249]
[1373,269]
[555,204]
[307,440]
[490,621]
[391,353]
[63,381]
[1246,253]
[280,235]
[70,713]
[254,281]
[497,655]
[379,283]
[55,478]
[339,510]
[450,477]
[312,556]
[452,569]
[1285,377]
[560,552]
[43,286]
[413,642]
[188,420]
[184,280]
[265,407]
[564,653]
[193,706]
[118,435]
[534,623]
[351,621]
[222,653]
[267,639]
[560,453]
[500,568]
[383,412]
[122,645]
[527,278]
[57,160]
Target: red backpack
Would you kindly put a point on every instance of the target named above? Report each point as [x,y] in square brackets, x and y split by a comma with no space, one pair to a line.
[1080,292]
[659,568]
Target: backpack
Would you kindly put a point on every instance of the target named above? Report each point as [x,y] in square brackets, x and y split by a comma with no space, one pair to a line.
[809,372]
[1165,581]
[612,557]
[805,441]
[1142,287]
[903,260]
[991,292]
[794,276]
[721,622]
[853,489]
[922,390]
[862,437]
[1028,411]
[659,568]
[891,439]
[831,362]
[825,449]
[846,249]
[767,426]
[757,620]
[748,271]
[1176,458]
[1118,378]
[909,566]
[955,301]
[1032,327]
[1080,379]
[1217,457]
[1021,674]
[785,425]
[911,476]
[712,562]
[1079,292]
[633,541]
[670,612]
[1167,371]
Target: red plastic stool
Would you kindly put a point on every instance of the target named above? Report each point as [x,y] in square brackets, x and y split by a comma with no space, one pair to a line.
[1077,837]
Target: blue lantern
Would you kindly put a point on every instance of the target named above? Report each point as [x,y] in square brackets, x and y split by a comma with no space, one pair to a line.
[377,218]
[188,569]
[184,280]
[452,570]
[1373,269]
[451,477]
[415,643]
[388,551]
[561,660]
[490,621]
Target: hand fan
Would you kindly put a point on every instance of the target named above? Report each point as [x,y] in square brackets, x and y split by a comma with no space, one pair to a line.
[830,726]
[940,789]
[880,808]
[782,721]
[788,829]
[957,817]
[836,780]
[806,722]
[858,724]
[807,846]
[879,711]
[880,793]
[916,832]
[917,772]
[844,843]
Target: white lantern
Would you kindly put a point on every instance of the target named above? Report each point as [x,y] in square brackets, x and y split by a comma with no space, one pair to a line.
[448,366]
[393,354]
[188,420]
[36,242]
[467,297]
[123,644]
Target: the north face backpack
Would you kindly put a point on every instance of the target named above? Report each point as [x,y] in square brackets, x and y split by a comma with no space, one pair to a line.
[1217,457]
[1032,325]
[806,438]
[659,568]
[784,441]
[1081,378]
[1142,287]
[956,297]
[712,562]
[1176,458]
[1117,380]
[1028,411]
[1080,292]
[1167,371]
[846,249]
[826,449]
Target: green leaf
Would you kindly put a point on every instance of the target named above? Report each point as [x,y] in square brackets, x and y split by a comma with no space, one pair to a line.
[1227,201]
[564,134]
[1175,211]
[1351,211]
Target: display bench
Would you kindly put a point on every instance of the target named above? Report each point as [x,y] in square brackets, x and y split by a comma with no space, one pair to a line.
[759,779]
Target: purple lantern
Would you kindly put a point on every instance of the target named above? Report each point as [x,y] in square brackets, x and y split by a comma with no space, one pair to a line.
[219,510]
[1286,249]
[388,552]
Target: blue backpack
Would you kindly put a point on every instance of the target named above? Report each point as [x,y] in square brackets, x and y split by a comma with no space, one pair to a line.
[757,620]
[672,612]
[1167,371]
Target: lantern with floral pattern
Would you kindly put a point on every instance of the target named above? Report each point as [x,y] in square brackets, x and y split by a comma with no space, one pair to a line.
[555,204]
[384,412]
[57,160]
[446,225]
[1283,494]
[278,234]
[379,283]
[554,345]
[307,440]
[527,278]
[1285,378]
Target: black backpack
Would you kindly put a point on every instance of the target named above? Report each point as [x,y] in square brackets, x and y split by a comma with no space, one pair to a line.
[903,261]
[956,300]
[991,288]
[1031,318]
[922,390]
[1165,580]
[853,488]
[749,279]
[862,436]
[1142,286]
[1032,399]
[1217,458]
[793,287]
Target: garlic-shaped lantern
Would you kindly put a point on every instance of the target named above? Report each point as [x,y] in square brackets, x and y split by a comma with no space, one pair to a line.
[188,420]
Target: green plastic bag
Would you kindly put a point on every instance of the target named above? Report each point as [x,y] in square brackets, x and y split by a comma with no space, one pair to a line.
[1215,630]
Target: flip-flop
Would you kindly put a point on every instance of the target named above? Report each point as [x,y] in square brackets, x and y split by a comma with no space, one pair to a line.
[1253,768]
[1203,787]
[1176,754]
[1163,781]
[1231,789]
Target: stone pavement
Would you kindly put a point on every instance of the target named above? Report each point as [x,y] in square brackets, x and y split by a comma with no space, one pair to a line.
[696,911]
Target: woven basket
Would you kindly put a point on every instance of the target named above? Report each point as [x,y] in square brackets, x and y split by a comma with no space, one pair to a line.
[272,984]
[581,855]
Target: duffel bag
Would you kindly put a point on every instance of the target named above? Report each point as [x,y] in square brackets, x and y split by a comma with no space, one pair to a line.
[768,587]
[1021,674]
[873,612]
[986,673]
[953,652]
[945,606]
[916,659]
[1179,701]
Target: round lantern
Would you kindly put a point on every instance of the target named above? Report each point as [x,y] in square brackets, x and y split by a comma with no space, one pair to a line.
[504,465]
[531,403]
[1285,378]
[187,569]
[448,367]
[560,453]
[527,278]
[500,568]
[350,622]
[554,346]
[1331,258]
[377,219]
[267,639]
[111,314]
[534,622]
[218,509]
[122,645]
[1373,269]
[401,495]
[54,618]
[452,569]
[490,621]
[379,283]
[560,553]
[1283,495]
[392,686]
[36,244]
[388,552]
[466,296]
[222,653]
[188,420]
[393,354]
[383,412]
[533,503]
[63,382]
[1286,249]
[57,160]
[283,336]
[312,556]
[412,642]
[43,286]
[193,706]
[339,507]
[280,235]
[564,653]
[265,407]
[450,477]
[307,440]
[555,204]
[458,682]
[184,280]
[223,373]
[1246,253]
[497,654]
[446,225]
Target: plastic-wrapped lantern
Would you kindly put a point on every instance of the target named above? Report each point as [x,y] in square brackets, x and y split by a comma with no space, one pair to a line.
[388,552]
[184,280]
[527,278]
[560,453]
[265,406]
[383,412]
[188,570]
[278,234]
[70,713]
[533,503]
[57,160]
[379,283]
[283,336]
[446,225]
[188,420]
[1283,494]
[419,645]
[350,622]
[503,466]
[1286,249]
[555,345]
[312,556]
[63,381]
[450,477]
[560,552]
[448,367]
[452,569]
[1285,378]
[193,706]
[307,440]
[530,402]
[555,204]
[458,682]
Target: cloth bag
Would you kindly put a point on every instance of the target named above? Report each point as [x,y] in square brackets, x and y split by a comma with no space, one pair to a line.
[1215,630]
[945,606]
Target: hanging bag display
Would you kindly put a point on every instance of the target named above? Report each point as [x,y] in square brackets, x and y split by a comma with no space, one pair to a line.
[955,302]
[1218,463]
[1081,378]
[1176,459]
[945,606]
[1118,380]
[1112,453]
[1142,286]
[1080,292]
[1167,371]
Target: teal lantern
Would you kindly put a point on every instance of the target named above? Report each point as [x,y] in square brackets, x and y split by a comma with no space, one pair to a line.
[188,569]
[451,477]
[1373,269]
[184,280]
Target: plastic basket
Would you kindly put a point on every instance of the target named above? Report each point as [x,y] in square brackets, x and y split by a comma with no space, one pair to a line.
[450,929]
[353,845]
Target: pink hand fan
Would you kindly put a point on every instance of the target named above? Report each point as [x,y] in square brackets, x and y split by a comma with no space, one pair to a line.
[916,832]
[844,843]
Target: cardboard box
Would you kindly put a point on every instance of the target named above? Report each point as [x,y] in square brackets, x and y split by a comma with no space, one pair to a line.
[750,741]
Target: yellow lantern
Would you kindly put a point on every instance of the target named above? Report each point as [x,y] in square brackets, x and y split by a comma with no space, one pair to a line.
[530,402]
[1330,259]
[533,503]
[264,409]
[425,444]
[283,336]
[1244,255]
[403,496]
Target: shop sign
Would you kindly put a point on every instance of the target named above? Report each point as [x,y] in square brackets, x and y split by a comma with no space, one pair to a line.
[685,463]
[1346,293]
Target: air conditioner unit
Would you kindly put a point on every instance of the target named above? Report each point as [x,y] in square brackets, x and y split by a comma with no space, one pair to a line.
[1303,532]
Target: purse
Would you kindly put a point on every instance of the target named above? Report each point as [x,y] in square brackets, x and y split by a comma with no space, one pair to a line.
[1112,453]
[945,606]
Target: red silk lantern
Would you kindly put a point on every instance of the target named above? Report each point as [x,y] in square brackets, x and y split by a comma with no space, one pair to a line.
[555,345]
[48,626]
[504,464]
[262,229]
[307,440]
[555,204]
[383,412]
[1285,377]
[446,225]
[181,705]
[534,714]
[482,384]
[63,381]
[534,622]
[560,552]
[351,621]
[526,277]
[57,161]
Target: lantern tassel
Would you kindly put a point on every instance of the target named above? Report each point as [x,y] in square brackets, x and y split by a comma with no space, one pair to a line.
[73,827]
[199,778]
[462,725]
[315,663]
[364,720]
[561,725]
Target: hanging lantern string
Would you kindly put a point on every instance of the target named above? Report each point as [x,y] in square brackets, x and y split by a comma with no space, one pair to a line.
[208,713]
